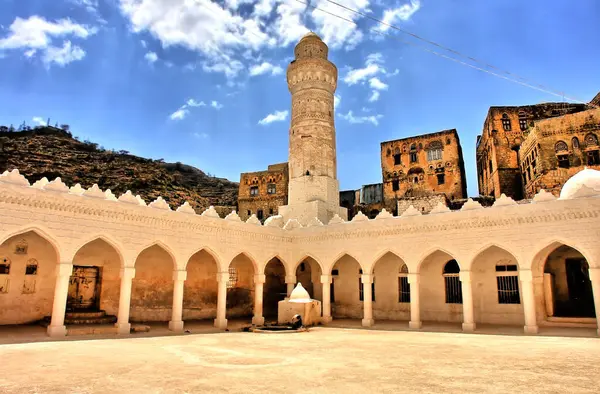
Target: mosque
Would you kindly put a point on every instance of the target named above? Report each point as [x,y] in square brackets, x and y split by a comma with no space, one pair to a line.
[70,255]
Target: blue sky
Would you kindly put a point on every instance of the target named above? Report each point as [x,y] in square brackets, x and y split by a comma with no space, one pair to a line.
[203,82]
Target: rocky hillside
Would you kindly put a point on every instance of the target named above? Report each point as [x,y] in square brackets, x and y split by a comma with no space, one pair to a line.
[52,152]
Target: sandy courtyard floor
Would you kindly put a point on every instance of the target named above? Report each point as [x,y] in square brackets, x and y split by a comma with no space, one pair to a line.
[325,360]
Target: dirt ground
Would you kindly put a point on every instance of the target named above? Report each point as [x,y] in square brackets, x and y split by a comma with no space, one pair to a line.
[324,360]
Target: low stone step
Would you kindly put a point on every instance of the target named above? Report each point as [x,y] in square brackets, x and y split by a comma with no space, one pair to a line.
[91,320]
[84,315]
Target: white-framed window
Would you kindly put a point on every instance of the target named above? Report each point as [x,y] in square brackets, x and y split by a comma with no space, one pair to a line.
[271,188]
[452,283]
[507,280]
[254,190]
[403,285]
[434,154]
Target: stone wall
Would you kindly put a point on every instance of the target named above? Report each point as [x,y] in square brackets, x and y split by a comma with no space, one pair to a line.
[423,204]
[264,201]
[427,174]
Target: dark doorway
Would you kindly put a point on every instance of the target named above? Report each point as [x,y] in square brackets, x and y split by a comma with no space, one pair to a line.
[84,289]
[581,298]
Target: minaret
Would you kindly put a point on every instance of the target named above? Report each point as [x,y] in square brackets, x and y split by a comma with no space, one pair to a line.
[313,186]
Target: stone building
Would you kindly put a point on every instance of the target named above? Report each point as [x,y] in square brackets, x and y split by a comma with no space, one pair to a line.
[555,149]
[368,200]
[262,193]
[595,101]
[423,167]
[504,129]
[68,254]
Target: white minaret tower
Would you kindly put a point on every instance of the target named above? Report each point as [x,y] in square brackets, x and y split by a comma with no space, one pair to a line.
[313,186]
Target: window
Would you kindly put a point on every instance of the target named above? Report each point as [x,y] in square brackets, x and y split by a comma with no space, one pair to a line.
[416,179]
[21,247]
[5,266]
[441,178]
[591,140]
[403,285]
[413,157]
[593,158]
[507,281]
[452,283]
[491,167]
[31,268]
[506,123]
[259,214]
[270,211]
[254,190]
[397,161]
[561,146]
[434,154]
[233,278]
[271,188]
[249,213]
[575,143]
[563,161]
[523,124]
[395,185]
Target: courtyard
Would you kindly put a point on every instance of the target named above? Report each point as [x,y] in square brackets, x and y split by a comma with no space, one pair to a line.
[324,360]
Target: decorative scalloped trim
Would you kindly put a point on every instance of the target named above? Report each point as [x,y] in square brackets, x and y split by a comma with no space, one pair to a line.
[274,221]
[186,208]
[336,219]
[57,185]
[253,220]
[141,200]
[160,203]
[40,183]
[292,224]
[94,192]
[110,196]
[440,208]
[129,198]
[233,216]
[504,201]
[210,212]
[77,189]
[14,177]
[314,222]
[543,196]
[411,211]
[360,217]
[384,214]
[471,205]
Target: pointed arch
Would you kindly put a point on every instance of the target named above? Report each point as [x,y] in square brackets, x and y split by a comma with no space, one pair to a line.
[249,256]
[381,254]
[484,249]
[161,245]
[339,257]
[281,260]
[41,232]
[432,251]
[304,257]
[206,249]
[543,249]
[106,238]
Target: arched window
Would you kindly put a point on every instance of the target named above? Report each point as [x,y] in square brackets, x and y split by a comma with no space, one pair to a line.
[591,139]
[575,143]
[452,283]
[506,123]
[561,146]
[5,266]
[507,280]
[397,157]
[434,151]
[403,285]
[413,153]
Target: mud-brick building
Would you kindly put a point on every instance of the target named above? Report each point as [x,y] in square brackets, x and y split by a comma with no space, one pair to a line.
[262,193]
[504,129]
[420,167]
[558,148]
[368,200]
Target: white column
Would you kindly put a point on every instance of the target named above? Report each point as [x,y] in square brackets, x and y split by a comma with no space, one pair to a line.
[59,306]
[415,308]
[326,282]
[123,325]
[290,281]
[367,281]
[467,296]
[258,318]
[528,297]
[595,278]
[176,323]
[222,279]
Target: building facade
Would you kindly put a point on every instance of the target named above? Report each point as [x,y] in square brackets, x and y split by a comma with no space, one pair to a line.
[422,166]
[67,252]
[504,129]
[262,193]
[555,149]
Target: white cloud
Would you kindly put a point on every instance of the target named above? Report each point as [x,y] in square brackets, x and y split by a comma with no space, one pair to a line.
[151,57]
[376,84]
[193,103]
[277,116]
[179,114]
[335,31]
[200,136]
[90,5]
[35,34]
[374,119]
[374,96]
[402,13]
[144,44]
[39,120]
[216,104]
[264,68]
[373,66]
[337,99]
[63,56]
